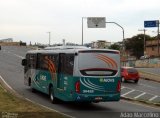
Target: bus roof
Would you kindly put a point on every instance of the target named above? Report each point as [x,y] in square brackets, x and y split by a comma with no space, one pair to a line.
[65,47]
[71,49]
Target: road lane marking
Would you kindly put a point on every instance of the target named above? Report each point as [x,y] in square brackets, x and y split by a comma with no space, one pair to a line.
[16,55]
[140,95]
[5,83]
[19,56]
[122,87]
[154,97]
[140,91]
[128,93]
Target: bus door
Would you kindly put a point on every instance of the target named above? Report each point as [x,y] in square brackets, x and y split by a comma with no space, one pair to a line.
[60,78]
[42,69]
[32,65]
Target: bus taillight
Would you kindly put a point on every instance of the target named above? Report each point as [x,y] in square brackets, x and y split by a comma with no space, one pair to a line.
[119,86]
[77,86]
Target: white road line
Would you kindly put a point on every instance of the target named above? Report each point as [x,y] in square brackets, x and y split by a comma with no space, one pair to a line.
[140,91]
[154,97]
[19,56]
[140,95]
[6,83]
[127,93]
[122,87]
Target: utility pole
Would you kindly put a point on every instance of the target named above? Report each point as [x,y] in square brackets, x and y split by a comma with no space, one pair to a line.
[49,37]
[158,36]
[82,31]
[63,40]
[144,30]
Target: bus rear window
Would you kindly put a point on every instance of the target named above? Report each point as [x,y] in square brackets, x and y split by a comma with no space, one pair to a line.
[98,72]
[98,64]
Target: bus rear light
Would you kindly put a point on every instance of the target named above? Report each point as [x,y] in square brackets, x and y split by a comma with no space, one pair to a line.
[119,86]
[77,86]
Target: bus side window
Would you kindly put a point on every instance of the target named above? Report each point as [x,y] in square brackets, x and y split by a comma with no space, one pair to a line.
[28,61]
[61,63]
[54,59]
[38,66]
[42,62]
[69,64]
[32,61]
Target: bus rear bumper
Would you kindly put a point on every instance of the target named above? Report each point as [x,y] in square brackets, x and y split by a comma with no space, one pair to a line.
[97,98]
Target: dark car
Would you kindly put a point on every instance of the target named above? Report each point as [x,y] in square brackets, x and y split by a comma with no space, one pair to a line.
[129,73]
[0,47]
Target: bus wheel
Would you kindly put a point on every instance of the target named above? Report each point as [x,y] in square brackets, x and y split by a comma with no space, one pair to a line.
[51,95]
[34,90]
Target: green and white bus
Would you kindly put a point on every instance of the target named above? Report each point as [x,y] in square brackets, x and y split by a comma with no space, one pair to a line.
[74,73]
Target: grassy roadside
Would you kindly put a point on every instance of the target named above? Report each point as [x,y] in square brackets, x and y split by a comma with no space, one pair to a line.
[15,106]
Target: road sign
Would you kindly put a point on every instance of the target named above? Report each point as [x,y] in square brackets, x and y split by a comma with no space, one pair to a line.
[96,22]
[153,23]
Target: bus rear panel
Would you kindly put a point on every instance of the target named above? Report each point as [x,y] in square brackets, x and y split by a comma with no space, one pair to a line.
[96,76]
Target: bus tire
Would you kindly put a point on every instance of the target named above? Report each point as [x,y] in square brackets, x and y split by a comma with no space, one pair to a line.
[34,90]
[51,95]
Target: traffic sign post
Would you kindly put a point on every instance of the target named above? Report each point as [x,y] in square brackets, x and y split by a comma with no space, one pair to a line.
[99,22]
[96,22]
[153,23]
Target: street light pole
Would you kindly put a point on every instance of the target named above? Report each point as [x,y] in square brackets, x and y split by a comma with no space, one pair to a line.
[158,37]
[49,37]
[82,31]
[144,30]
[122,32]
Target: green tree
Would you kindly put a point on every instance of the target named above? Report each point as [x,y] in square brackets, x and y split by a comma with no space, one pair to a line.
[136,45]
[115,46]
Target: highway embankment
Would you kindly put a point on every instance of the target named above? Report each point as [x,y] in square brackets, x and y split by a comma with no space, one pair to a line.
[14,106]
[149,76]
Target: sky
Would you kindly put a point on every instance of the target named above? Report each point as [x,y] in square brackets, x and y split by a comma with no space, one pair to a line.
[30,20]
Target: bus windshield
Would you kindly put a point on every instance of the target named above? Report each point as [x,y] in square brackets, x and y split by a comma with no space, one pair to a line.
[98,64]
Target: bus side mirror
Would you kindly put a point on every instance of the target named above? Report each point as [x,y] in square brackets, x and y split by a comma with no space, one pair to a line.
[76,54]
[24,62]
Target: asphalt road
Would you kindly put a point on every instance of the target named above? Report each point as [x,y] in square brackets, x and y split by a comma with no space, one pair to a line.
[12,72]
[144,90]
